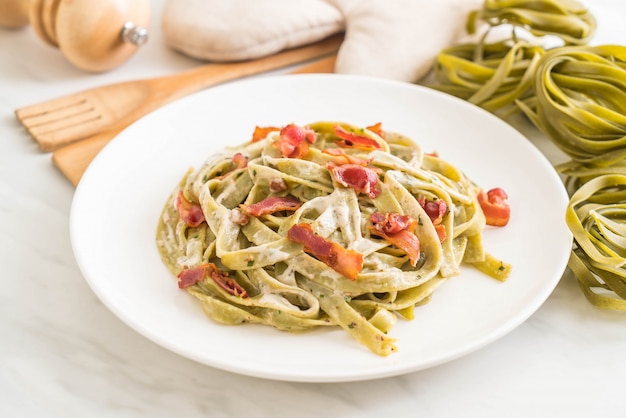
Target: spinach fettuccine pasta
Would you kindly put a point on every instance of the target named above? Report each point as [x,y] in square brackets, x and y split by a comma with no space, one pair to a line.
[326,224]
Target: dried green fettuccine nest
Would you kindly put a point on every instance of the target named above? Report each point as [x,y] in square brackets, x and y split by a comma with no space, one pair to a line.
[596,215]
[498,75]
[492,76]
[567,19]
[580,102]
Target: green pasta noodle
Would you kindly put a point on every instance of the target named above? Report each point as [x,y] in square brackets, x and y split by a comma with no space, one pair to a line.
[500,76]
[596,216]
[580,101]
[248,267]
[493,76]
[567,19]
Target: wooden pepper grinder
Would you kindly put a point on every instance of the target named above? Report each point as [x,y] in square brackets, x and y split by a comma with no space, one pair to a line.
[94,35]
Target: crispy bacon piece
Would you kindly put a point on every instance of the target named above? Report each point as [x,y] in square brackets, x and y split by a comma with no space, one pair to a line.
[189,277]
[271,204]
[377,128]
[435,209]
[226,283]
[238,217]
[398,230]
[441,232]
[294,140]
[190,213]
[353,140]
[346,262]
[340,157]
[261,132]
[361,179]
[493,203]
[240,160]
[278,185]
[392,223]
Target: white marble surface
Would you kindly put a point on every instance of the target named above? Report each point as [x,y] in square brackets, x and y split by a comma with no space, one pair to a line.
[63,354]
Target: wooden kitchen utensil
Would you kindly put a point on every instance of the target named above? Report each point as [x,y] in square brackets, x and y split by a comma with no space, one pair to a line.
[62,121]
[93,35]
[72,160]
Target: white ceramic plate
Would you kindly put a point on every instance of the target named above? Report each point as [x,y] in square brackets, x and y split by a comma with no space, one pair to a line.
[118,202]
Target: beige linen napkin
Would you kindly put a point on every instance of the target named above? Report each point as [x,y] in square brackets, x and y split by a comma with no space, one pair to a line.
[396,39]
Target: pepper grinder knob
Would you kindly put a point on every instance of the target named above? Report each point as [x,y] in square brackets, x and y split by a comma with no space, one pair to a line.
[136,35]
[95,36]
[14,13]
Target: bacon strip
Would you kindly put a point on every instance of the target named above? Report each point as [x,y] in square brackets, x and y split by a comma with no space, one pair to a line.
[392,223]
[345,262]
[340,157]
[294,140]
[261,132]
[377,128]
[226,283]
[271,204]
[397,230]
[277,185]
[361,179]
[238,217]
[441,232]
[240,160]
[352,140]
[190,213]
[435,209]
[189,277]
[495,207]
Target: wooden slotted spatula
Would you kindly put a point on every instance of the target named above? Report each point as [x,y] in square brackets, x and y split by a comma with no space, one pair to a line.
[111,108]
[73,159]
